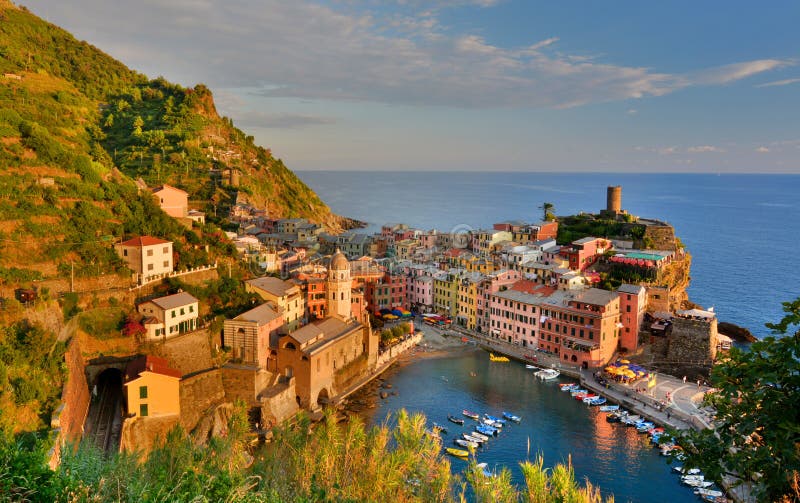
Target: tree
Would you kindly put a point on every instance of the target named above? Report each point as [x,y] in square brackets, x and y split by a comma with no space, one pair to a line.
[757,425]
[547,211]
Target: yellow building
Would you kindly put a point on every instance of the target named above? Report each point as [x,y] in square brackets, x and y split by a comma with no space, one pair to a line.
[445,291]
[467,299]
[152,388]
[286,296]
[404,249]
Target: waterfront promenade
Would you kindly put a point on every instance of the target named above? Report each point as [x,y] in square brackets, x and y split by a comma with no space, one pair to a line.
[670,402]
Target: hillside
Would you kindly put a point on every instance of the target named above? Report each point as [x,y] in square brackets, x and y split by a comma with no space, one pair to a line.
[77,127]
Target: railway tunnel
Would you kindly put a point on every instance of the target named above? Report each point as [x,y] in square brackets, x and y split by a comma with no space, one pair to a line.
[104,420]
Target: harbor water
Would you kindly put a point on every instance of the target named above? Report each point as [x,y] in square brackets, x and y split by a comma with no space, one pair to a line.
[614,457]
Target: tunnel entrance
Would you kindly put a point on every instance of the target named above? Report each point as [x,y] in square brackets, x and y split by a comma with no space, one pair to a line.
[104,420]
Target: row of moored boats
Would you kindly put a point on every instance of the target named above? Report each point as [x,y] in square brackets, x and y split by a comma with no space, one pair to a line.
[486,427]
[586,396]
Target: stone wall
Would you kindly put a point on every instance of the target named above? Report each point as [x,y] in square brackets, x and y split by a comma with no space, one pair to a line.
[245,382]
[279,403]
[188,353]
[343,377]
[693,341]
[69,416]
[143,434]
[198,394]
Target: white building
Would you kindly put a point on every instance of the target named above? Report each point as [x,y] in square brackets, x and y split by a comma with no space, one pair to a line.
[147,257]
[169,316]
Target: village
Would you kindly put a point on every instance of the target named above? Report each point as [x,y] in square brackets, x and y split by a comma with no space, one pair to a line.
[335,311]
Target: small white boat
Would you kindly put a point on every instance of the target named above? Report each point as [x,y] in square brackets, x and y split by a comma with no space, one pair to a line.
[690,471]
[609,408]
[471,438]
[530,367]
[547,374]
[481,436]
[700,491]
[465,443]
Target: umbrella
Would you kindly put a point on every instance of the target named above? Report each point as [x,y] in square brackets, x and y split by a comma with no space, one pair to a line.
[624,361]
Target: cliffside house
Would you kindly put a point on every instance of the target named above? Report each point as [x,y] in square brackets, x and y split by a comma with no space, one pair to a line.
[286,296]
[249,334]
[173,201]
[169,316]
[151,387]
[147,257]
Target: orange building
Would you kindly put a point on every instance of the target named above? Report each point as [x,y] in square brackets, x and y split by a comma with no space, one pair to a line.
[152,388]
[251,333]
[173,201]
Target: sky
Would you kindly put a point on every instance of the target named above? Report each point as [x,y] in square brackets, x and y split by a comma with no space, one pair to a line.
[504,85]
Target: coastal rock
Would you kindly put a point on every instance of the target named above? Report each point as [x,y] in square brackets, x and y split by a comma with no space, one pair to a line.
[384,394]
[735,332]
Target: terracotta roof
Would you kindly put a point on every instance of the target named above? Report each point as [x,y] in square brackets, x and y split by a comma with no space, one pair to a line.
[144,241]
[149,363]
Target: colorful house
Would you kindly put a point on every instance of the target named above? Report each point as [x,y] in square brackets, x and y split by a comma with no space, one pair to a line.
[285,295]
[152,388]
[147,257]
[249,334]
[632,305]
[173,201]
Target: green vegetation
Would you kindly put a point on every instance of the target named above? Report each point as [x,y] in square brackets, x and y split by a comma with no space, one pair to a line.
[76,127]
[389,335]
[31,374]
[328,462]
[580,226]
[757,435]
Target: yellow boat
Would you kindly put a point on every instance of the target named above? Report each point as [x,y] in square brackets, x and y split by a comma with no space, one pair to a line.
[494,358]
[459,453]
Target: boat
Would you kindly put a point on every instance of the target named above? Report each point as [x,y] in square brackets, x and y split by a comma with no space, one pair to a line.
[439,428]
[459,453]
[511,417]
[484,468]
[486,430]
[495,419]
[588,398]
[531,367]
[472,438]
[600,400]
[454,419]
[696,482]
[565,384]
[609,408]
[478,435]
[578,391]
[700,491]
[494,358]
[570,387]
[491,424]
[471,415]
[690,471]
[465,443]
[644,427]
[547,374]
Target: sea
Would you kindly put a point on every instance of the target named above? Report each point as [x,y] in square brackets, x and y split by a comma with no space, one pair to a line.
[741,230]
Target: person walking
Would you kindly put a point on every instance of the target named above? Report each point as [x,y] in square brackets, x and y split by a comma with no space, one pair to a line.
[684,379]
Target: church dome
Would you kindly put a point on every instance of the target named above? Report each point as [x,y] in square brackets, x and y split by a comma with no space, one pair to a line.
[339,262]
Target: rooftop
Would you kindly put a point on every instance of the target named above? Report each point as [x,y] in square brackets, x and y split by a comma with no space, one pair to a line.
[631,289]
[261,315]
[596,297]
[149,363]
[321,332]
[173,301]
[275,286]
[144,241]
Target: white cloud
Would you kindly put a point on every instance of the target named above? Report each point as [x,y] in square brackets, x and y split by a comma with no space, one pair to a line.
[632,111]
[762,150]
[668,150]
[784,82]
[301,49]
[704,148]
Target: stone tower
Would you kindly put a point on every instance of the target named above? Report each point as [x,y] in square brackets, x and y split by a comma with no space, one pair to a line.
[340,286]
[614,199]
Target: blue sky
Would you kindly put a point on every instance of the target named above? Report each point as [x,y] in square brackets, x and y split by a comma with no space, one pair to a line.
[679,86]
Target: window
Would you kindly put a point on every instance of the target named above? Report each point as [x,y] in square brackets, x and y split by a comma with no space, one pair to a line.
[628,309]
[191,308]
[165,250]
[143,410]
[183,311]
[166,263]
[149,253]
[149,267]
[124,253]
[142,391]
[173,313]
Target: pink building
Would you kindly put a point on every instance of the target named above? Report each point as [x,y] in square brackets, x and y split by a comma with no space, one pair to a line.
[584,252]
[421,293]
[632,305]
[491,284]
[514,316]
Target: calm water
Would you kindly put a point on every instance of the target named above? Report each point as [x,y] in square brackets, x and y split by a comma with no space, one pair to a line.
[742,230]
[611,456]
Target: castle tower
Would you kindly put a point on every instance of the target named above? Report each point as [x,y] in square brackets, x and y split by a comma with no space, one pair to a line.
[340,286]
[614,199]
